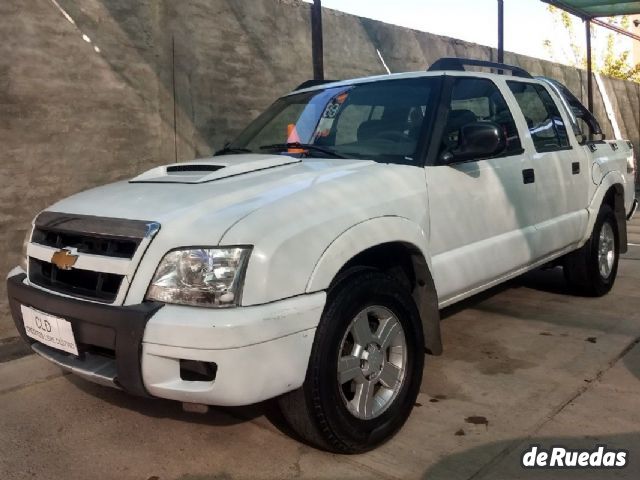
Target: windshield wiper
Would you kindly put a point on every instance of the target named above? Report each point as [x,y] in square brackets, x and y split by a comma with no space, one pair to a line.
[231,151]
[301,146]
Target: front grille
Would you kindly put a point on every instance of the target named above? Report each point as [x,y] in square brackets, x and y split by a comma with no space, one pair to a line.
[102,237]
[95,245]
[87,284]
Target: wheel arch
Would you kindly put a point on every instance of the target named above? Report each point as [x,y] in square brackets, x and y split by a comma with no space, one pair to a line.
[395,245]
[610,192]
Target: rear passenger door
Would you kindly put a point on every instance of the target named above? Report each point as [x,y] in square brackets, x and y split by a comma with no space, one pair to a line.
[482,211]
[561,172]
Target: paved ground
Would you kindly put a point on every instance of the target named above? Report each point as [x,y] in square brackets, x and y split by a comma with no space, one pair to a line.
[526,363]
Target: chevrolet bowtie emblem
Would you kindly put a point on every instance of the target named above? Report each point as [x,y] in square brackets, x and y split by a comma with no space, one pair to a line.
[64,259]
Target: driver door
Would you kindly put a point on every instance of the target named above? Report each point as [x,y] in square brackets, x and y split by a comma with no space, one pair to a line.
[482,213]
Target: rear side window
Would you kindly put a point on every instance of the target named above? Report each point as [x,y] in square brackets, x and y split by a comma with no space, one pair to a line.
[548,131]
[582,114]
[478,100]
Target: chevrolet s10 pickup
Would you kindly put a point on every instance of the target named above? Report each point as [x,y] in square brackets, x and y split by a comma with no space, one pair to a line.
[308,260]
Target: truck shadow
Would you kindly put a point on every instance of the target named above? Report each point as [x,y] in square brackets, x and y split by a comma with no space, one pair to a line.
[161,408]
[169,409]
[557,309]
[549,280]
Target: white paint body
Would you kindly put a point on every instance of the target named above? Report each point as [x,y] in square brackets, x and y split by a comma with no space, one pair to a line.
[476,225]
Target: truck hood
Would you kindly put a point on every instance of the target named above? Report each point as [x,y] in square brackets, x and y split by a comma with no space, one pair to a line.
[208,196]
[209,170]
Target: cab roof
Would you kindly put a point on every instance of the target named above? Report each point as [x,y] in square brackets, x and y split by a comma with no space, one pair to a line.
[399,76]
[443,66]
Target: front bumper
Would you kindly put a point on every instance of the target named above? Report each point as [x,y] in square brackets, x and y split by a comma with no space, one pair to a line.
[259,352]
[101,332]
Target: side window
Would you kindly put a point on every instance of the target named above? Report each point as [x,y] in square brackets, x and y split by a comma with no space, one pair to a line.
[478,100]
[545,123]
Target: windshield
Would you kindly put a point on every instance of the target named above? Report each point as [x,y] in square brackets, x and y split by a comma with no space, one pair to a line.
[380,121]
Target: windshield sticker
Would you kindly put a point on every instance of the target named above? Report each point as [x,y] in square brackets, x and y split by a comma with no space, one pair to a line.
[329,115]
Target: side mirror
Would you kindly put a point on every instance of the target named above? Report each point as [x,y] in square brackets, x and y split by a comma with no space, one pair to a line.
[476,141]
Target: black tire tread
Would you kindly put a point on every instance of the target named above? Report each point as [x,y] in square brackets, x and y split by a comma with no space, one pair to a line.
[579,270]
[296,406]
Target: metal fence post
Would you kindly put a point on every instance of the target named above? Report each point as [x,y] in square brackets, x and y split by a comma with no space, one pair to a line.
[317,50]
[587,24]
[500,31]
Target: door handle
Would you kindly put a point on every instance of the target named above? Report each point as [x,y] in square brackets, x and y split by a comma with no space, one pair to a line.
[528,176]
[575,168]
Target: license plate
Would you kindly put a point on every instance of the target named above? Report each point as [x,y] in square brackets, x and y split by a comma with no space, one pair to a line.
[52,331]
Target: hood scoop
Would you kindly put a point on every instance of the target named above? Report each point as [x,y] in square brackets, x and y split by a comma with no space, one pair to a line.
[193,167]
[208,170]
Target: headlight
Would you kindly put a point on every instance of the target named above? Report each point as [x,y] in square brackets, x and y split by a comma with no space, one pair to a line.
[210,277]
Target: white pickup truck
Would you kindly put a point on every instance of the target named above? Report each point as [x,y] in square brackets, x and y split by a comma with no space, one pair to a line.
[308,260]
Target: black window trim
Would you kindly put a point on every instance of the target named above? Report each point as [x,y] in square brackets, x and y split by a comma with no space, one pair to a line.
[554,149]
[545,88]
[504,154]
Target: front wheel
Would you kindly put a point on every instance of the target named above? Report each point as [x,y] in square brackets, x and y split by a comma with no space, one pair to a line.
[365,367]
[592,269]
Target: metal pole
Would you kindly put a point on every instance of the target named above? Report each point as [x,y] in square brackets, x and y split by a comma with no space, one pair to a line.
[173,84]
[316,40]
[587,23]
[500,31]
[621,31]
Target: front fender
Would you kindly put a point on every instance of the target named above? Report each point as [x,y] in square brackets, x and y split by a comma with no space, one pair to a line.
[360,237]
[378,231]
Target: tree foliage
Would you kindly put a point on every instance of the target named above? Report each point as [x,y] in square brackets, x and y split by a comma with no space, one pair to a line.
[610,62]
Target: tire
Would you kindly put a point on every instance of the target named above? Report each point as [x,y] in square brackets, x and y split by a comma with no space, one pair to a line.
[327,414]
[592,269]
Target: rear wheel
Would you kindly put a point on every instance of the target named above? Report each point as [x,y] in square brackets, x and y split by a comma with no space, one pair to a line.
[592,269]
[365,367]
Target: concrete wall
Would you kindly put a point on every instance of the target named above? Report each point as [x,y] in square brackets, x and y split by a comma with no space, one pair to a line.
[95,91]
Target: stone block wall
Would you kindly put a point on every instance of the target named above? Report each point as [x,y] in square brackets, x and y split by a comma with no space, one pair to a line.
[96,91]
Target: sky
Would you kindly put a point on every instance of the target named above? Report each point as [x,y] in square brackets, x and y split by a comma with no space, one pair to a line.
[528,23]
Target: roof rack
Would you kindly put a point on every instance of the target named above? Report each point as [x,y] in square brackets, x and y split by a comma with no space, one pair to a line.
[457,64]
[312,83]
